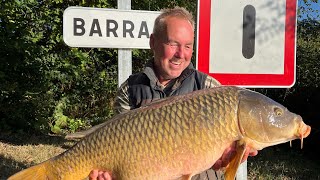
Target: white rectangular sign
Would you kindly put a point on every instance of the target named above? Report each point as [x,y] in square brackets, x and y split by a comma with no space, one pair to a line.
[248,43]
[269,37]
[107,28]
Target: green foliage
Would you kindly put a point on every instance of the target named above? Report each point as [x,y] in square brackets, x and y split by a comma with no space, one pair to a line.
[308,47]
[38,72]
[62,121]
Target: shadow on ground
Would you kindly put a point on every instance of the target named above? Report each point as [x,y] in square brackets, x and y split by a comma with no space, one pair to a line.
[9,167]
[25,139]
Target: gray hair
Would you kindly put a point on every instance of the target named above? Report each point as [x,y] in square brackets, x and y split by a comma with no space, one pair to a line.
[179,12]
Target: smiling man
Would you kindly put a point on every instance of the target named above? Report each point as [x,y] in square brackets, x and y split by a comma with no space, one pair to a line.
[170,72]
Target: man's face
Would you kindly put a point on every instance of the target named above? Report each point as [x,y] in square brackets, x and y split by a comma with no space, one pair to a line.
[172,49]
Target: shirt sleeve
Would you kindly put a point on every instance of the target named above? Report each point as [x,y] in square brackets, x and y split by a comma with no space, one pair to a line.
[211,82]
[122,102]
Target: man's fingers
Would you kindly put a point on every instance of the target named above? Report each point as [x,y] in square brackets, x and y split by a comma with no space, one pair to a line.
[217,165]
[253,153]
[229,153]
[249,152]
[93,175]
[106,176]
[227,158]
[99,175]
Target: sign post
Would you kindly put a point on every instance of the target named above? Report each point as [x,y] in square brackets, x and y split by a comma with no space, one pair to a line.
[124,55]
[248,43]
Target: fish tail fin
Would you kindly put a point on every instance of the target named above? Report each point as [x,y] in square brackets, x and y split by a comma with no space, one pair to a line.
[35,172]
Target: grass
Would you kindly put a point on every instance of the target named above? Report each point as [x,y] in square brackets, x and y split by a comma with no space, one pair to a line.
[282,163]
[19,151]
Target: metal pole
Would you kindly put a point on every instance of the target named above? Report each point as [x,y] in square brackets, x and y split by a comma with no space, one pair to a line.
[124,55]
[242,172]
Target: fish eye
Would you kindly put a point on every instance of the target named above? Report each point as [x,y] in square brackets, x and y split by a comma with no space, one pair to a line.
[277,111]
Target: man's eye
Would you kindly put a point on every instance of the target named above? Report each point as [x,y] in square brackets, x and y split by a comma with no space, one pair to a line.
[173,44]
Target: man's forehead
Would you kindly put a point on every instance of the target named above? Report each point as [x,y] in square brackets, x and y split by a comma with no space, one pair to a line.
[174,19]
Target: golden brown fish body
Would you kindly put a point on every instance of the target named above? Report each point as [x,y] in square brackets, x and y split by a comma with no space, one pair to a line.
[176,137]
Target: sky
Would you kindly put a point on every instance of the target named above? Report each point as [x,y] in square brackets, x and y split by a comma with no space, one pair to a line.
[315,10]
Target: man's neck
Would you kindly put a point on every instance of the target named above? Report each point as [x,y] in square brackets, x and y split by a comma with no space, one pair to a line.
[164,82]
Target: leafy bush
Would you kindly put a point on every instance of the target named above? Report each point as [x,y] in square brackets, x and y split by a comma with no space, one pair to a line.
[38,72]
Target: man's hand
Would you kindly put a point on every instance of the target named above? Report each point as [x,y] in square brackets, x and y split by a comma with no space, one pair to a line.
[229,153]
[99,175]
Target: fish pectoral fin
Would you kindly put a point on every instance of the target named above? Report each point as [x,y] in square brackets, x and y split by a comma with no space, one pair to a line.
[186,177]
[231,170]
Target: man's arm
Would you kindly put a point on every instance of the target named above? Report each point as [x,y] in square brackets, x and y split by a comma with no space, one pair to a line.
[211,82]
[122,101]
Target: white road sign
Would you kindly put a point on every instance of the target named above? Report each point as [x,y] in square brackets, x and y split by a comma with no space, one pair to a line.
[107,28]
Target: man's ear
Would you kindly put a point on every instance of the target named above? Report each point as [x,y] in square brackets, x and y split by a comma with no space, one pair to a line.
[151,42]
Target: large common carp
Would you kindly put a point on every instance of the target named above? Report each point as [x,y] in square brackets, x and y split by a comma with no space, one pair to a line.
[176,137]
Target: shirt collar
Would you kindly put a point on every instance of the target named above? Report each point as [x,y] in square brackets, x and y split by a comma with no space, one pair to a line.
[150,73]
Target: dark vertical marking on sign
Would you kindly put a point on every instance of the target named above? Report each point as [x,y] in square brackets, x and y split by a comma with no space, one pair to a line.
[95,28]
[128,30]
[248,34]
[114,29]
[77,26]
[143,30]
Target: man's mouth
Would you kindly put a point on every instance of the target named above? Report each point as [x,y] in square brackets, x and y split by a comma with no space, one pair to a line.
[176,62]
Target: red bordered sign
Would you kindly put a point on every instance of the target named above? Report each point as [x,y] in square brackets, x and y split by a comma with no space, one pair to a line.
[269,61]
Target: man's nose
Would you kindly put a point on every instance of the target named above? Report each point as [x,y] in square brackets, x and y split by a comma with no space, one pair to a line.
[180,51]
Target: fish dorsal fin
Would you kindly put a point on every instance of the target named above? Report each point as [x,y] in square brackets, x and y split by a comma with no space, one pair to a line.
[231,170]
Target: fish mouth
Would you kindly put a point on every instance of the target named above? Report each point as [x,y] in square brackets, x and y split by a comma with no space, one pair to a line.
[303,132]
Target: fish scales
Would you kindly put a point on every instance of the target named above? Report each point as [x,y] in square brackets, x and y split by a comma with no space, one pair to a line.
[136,137]
[167,139]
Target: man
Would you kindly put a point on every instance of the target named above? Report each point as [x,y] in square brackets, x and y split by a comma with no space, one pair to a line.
[169,73]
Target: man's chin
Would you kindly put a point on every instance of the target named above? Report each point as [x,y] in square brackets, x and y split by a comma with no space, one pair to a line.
[173,76]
